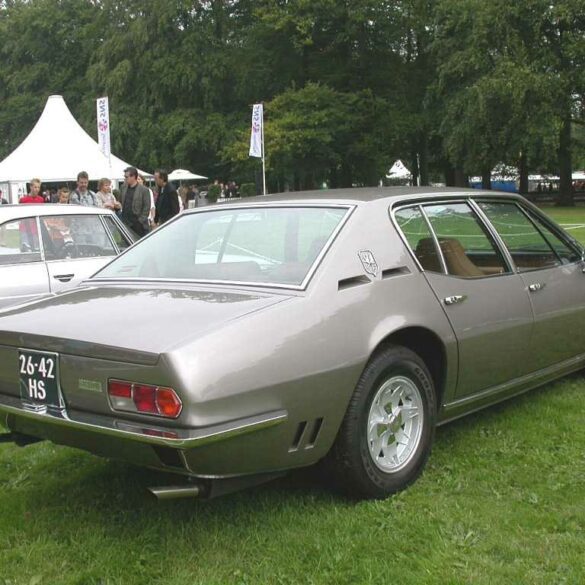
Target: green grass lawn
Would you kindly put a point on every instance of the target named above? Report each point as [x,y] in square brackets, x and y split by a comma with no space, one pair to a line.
[501,501]
[571,218]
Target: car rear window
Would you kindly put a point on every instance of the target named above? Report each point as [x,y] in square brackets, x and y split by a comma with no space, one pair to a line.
[261,245]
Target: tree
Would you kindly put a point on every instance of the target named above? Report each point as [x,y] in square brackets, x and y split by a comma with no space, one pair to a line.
[507,76]
[46,48]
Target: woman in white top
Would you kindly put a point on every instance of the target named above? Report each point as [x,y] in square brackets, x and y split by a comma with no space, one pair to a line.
[105,196]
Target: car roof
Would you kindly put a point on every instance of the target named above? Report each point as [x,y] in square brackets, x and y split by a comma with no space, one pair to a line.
[364,195]
[8,212]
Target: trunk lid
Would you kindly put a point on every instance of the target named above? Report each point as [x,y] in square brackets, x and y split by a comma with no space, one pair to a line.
[133,323]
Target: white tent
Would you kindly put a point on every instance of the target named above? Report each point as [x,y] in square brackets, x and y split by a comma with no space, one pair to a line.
[399,171]
[184,175]
[56,149]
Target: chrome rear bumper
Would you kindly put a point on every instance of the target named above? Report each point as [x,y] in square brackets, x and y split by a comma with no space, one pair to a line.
[176,438]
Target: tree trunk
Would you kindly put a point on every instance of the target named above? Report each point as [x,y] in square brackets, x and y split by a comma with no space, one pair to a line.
[565,164]
[424,161]
[346,178]
[449,172]
[461,178]
[334,178]
[523,171]
[486,179]
[415,169]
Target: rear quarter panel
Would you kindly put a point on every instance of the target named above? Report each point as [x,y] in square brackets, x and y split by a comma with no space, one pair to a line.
[307,353]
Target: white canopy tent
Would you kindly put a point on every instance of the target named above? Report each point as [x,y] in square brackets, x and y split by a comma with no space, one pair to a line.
[399,171]
[184,175]
[56,149]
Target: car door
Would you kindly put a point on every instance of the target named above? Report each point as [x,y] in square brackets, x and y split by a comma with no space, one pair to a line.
[76,246]
[552,272]
[23,274]
[484,300]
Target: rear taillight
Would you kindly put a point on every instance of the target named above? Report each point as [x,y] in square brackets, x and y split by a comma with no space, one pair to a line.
[144,398]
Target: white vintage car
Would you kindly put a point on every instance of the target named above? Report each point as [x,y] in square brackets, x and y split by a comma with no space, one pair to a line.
[47,248]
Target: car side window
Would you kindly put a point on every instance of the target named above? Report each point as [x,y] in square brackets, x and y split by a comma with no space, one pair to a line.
[418,235]
[565,252]
[529,247]
[19,242]
[121,240]
[75,236]
[467,247]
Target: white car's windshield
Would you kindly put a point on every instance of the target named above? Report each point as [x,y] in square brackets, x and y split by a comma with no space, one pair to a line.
[256,245]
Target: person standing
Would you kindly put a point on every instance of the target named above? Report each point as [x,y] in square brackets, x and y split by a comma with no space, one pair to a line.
[35,193]
[105,197]
[152,212]
[167,203]
[81,195]
[63,195]
[135,200]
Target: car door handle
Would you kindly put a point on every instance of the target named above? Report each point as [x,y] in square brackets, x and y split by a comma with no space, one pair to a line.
[454,299]
[63,277]
[536,286]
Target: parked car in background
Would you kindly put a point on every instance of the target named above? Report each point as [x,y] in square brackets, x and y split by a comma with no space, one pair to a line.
[242,340]
[48,248]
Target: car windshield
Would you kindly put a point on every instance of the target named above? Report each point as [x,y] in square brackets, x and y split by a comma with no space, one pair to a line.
[262,245]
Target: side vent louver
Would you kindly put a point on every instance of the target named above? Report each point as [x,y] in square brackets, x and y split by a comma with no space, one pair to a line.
[353,281]
[390,272]
[313,429]
[314,433]
[298,436]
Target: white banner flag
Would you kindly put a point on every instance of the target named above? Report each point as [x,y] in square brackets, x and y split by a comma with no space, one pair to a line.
[256,136]
[103,125]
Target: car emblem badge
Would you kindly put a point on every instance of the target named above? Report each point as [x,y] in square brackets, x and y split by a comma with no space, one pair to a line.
[90,385]
[368,262]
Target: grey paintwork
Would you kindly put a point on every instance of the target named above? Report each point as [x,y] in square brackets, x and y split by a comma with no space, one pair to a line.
[252,364]
[20,283]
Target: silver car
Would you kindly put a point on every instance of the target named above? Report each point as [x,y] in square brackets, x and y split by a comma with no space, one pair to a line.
[48,248]
[242,340]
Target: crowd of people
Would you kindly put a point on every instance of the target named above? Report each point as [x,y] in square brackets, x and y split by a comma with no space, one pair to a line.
[139,207]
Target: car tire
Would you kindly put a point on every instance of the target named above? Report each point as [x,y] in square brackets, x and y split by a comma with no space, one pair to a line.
[386,435]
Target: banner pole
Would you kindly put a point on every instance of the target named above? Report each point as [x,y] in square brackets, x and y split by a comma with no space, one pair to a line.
[263,157]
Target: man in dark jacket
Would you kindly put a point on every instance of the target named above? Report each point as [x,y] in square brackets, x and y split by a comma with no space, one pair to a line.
[135,200]
[167,202]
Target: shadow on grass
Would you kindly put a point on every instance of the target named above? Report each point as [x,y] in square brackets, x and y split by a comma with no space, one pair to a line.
[510,406]
[68,485]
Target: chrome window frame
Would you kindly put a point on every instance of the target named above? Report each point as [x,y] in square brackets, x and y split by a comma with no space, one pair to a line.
[120,225]
[481,219]
[41,246]
[349,210]
[100,217]
[545,220]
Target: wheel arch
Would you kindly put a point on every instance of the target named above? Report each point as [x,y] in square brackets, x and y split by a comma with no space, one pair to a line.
[428,346]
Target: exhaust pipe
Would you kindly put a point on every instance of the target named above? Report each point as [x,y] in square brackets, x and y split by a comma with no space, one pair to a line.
[174,492]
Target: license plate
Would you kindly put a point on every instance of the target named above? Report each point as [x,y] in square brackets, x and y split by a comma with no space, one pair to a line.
[39,378]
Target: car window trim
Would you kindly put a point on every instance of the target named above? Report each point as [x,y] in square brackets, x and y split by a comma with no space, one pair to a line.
[559,261]
[555,233]
[410,205]
[459,199]
[435,240]
[512,268]
[519,206]
[349,210]
[485,228]
[100,217]
[109,234]
[41,247]
[123,231]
